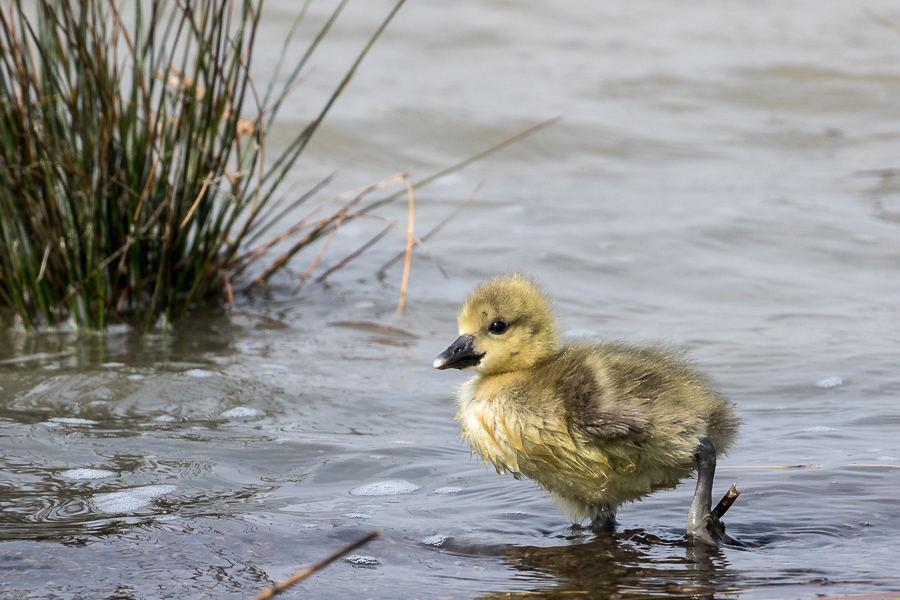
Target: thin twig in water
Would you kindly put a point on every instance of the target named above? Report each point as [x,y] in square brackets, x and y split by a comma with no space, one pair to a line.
[878,596]
[315,233]
[878,173]
[727,500]
[416,240]
[770,467]
[438,227]
[356,254]
[409,243]
[341,217]
[371,325]
[472,159]
[883,21]
[283,585]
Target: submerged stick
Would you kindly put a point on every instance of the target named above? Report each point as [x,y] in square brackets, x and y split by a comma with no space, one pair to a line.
[727,500]
[770,466]
[371,325]
[283,585]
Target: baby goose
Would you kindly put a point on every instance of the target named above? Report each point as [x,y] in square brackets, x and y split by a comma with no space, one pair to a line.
[597,425]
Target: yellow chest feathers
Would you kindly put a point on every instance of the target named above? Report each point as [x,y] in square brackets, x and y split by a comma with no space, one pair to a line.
[516,440]
[493,432]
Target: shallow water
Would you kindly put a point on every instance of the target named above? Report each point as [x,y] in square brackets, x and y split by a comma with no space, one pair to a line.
[703,189]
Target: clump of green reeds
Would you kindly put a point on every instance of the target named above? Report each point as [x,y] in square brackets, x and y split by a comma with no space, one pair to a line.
[131,158]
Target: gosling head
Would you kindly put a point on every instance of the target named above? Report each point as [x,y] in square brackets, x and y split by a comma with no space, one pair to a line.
[506,324]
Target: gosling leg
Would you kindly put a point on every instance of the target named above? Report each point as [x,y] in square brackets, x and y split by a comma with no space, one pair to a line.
[702,522]
[604,523]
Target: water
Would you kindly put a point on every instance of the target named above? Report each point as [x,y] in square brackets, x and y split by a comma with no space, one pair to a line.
[703,189]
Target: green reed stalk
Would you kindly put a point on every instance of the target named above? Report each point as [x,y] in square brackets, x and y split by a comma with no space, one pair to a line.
[129,175]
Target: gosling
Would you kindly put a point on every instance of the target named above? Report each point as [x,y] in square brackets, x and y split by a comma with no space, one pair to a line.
[596,425]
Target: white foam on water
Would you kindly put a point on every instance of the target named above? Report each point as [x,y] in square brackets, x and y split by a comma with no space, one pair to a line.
[448,490]
[242,411]
[403,443]
[356,516]
[888,458]
[72,421]
[385,488]
[198,373]
[164,419]
[113,365]
[87,474]
[819,429]
[436,540]
[129,500]
[359,559]
[829,382]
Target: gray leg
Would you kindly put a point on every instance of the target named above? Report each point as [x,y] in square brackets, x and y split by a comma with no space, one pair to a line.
[604,524]
[702,524]
[605,521]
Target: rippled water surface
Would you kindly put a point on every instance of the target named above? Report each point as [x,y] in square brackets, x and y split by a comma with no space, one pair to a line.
[707,187]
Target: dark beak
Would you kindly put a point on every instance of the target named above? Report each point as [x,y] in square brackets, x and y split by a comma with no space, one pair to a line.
[459,355]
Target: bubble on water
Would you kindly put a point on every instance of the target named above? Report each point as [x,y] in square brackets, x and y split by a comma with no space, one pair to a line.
[164,419]
[829,382]
[129,500]
[87,474]
[356,516]
[819,429]
[359,559]
[436,540]
[72,421]
[448,490]
[241,412]
[200,373]
[385,488]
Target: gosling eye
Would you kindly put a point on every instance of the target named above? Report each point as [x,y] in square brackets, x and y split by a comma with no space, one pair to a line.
[498,327]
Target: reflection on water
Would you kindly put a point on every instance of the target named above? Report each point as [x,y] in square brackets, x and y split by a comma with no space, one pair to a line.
[707,188]
[629,563]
